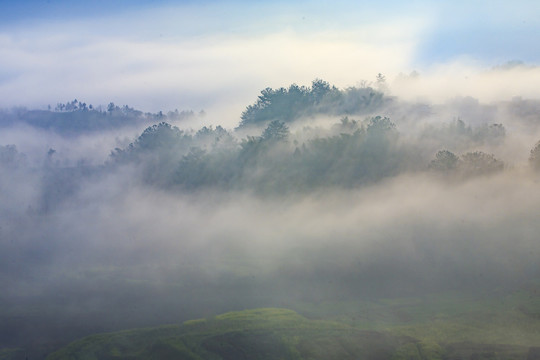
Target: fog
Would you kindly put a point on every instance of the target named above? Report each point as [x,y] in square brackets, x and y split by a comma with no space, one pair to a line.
[260,154]
[128,227]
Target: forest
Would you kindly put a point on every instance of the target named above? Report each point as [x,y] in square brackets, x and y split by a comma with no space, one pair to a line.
[279,145]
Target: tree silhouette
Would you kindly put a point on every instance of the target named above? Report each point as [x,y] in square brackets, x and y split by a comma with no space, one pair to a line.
[276,131]
[444,161]
[534,158]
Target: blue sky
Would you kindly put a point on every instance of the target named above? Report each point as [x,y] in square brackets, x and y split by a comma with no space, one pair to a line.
[483,29]
[190,54]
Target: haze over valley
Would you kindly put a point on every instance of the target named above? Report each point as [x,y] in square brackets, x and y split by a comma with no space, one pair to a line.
[376,184]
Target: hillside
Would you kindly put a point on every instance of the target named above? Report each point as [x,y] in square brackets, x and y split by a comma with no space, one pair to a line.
[442,326]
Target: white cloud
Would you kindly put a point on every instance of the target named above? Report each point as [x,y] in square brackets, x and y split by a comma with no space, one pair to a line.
[465,77]
[114,59]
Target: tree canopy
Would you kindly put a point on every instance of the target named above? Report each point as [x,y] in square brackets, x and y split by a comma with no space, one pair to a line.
[288,104]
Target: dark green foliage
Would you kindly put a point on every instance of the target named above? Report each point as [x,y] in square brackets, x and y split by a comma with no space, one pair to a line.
[534,158]
[467,165]
[380,126]
[444,161]
[458,135]
[368,154]
[289,104]
[158,151]
[158,137]
[170,157]
[215,138]
[275,162]
[76,117]
[480,163]
[202,169]
[276,131]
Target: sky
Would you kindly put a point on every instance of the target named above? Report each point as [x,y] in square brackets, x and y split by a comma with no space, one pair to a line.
[217,56]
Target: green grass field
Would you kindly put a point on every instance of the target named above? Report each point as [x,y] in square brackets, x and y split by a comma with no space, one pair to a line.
[439,326]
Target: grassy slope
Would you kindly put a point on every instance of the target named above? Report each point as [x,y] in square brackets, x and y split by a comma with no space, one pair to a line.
[250,334]
[512,319]
[432,327]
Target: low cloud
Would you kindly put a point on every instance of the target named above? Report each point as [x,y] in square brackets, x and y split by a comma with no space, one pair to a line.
[465,78]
